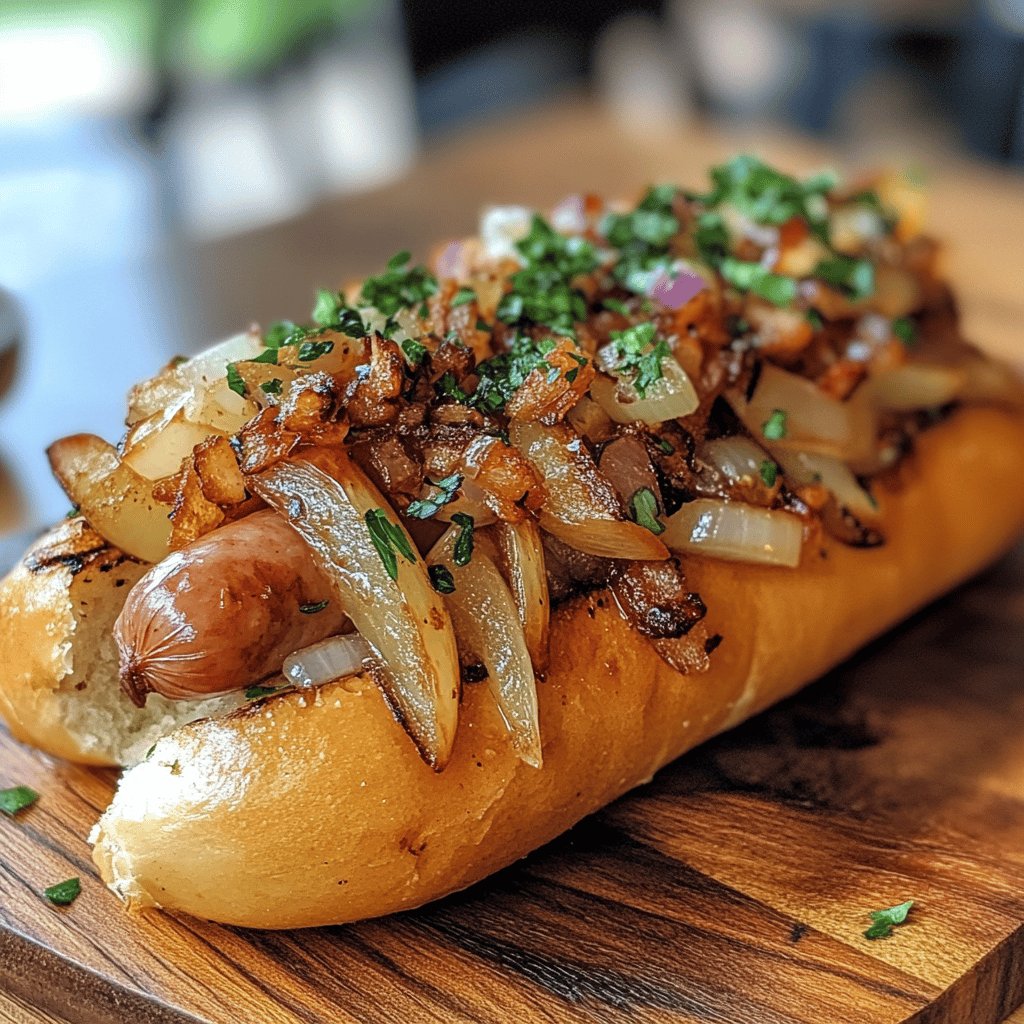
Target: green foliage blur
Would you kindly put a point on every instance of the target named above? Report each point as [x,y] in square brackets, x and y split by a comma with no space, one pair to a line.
[205,38]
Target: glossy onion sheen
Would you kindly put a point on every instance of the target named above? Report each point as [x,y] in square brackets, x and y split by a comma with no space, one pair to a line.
[222,613]
[735,532]
[403,619]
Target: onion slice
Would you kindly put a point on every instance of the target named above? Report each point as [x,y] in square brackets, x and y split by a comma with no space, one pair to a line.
[404,619]
[333,658]
[117,502]
[736,532]
[917,386]
[803,468]
[666,399]
[580,507]
[523,555]
[487,624]
[156,446]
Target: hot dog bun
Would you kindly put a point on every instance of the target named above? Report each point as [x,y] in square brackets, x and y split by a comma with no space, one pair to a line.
[306,810]
[59,691]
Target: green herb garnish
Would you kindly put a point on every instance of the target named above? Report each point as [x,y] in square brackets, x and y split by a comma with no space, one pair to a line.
[464,542]
[64,893]
[415,352]
[502,375]
[462,296]
[255,692]
[441,579]
[814,318]
[278,333]
[769,472]
[235,382]
[387,538]
[752,277]
[886,920]
[906,330]
[643,238]
[448,386]
[16,799]
[855,278]
[399,287]
[664,445]
[424,508]
[616,306]
[644,510]
[271,387]
[310,350]
[639,354]
[774,428]
[313,607]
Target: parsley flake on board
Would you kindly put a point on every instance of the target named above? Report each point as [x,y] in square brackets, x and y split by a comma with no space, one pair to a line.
[399,287]
[388,538]
[643,507]
[424,508]
[542,292]
[769,472]
[463,552]
[16,799]
[64,893]
[885,920]
[441,579]
[313,607]
[774,428]
[638,354]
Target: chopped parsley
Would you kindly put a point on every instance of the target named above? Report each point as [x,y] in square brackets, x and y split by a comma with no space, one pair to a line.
[271,387]
[449,387]
[616,306]
[855,278]
[235,382]
[542,292]
[255,692]
[643,507]
[664,445]
[752,277]
[331,310]
[643,238]
[814,318]
[441,579]
[769,472]
[388,538]
[424,508]
[502,375]
[906,330]
[638,354]
[278,333]
[399,287]
[16,799]
[310,350]
[313,607]
[464,542]
[415,352]
[483,325]
[885,920]
[64,893]
[463,296]
[774,428]
[873,201]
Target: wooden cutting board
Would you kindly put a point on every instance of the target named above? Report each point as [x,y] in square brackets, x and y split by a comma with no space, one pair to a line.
[733,889]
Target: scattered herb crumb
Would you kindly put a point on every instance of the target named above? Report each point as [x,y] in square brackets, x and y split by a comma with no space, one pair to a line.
[885,920]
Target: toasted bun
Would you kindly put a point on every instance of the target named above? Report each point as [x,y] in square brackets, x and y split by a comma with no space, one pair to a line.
[311,809]
[59,686]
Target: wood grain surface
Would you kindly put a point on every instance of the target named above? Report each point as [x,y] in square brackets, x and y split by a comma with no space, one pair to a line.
[735,888]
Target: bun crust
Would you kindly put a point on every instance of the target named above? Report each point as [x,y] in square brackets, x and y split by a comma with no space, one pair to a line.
[313,809]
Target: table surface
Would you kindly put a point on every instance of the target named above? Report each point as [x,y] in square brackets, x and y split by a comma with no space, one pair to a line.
[542,157]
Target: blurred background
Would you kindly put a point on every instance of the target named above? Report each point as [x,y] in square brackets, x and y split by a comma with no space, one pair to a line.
[171,170]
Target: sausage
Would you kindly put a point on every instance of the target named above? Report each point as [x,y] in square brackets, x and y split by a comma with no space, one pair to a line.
[224,612]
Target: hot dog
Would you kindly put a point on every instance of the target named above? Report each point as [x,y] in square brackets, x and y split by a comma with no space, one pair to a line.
[222,613]
[522,530]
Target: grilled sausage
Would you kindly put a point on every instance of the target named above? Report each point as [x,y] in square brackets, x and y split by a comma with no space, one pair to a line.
[224,612]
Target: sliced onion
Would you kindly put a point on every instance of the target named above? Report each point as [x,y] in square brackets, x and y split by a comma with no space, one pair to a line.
[590,420]
[487,625]
[736,532]
[523,555]
[405,620]
[201,381]
[501,227]
[916,386]
[156,446]
[814,421]
[666,399]
[117,502]
[580,507]
[333,658]
[737,459]
[803,468]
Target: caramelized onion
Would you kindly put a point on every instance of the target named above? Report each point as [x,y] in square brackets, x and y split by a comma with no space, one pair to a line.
[522,553]
[737,459]
[917,386]
[116,501]
[333,658]
[814,421]
[666,399]
[156,446]
[404,619]
[736,532]
[802,468]
[581,507]
[487,625]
